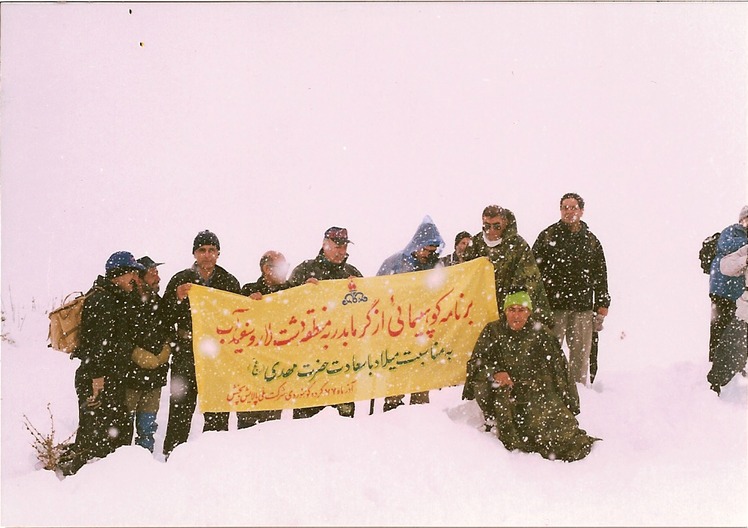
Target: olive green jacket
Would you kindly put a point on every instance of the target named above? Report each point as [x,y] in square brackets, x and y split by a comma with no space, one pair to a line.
[514,268]
[537,413]
[531,356]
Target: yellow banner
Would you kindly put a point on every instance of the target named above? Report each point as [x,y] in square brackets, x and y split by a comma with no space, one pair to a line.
[340,340]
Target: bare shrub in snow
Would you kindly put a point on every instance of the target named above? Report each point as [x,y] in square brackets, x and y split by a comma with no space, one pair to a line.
[49,453]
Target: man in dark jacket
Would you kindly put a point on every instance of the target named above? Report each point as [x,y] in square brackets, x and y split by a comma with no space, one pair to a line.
[331,263]
[518,376]
[147,374]
[106,345]
[183,384]
[513,261]
[572,264]
[273,269]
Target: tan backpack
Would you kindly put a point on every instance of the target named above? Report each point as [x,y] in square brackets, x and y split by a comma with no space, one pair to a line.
[65,323]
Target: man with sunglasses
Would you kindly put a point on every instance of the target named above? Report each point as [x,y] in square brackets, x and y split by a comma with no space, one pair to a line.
[512,258]
[421,253]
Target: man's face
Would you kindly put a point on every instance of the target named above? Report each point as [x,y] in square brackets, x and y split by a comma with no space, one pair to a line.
[516,316]
[424,254]
[275,271]
[333,251]
[462,245]
[126,281]
[152,279]
[206,257]
[571,214]
[493,227]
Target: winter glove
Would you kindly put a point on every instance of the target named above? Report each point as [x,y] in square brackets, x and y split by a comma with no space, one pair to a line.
[148,360]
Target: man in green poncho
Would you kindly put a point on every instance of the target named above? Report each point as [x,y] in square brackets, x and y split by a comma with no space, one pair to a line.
[519,376]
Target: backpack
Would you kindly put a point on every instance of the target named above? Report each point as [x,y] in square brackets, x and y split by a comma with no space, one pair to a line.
[65,323]
[708,251]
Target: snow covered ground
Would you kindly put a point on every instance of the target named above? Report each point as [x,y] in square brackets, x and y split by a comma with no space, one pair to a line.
[673,454]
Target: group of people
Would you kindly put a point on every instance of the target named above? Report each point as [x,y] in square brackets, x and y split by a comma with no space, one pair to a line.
[728,333]
[549,293]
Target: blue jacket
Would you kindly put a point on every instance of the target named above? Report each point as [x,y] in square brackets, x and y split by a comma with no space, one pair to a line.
[403,261]
[731,239]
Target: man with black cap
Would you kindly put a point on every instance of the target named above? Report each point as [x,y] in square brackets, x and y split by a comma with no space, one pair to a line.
[183,385]
[150,359]
[330,263]
[463,240]
[106,346]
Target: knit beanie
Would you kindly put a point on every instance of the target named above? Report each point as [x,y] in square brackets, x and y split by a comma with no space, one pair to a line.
[521,297]
[206,238]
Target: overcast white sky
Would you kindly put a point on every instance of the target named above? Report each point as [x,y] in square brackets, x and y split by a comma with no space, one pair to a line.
[133,126]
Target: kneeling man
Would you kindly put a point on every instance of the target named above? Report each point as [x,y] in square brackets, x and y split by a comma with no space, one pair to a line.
[518,374]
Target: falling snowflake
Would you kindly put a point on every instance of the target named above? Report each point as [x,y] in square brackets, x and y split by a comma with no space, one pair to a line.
[208,347]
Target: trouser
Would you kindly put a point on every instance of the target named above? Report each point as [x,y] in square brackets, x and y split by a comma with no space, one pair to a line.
[250,418]
[183,400]
[143,408]
[416,398]
[729,354]
[344,409]
[723,311]
[103,429]
[577,328]
[498,409]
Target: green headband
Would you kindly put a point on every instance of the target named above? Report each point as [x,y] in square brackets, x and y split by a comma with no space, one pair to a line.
[521,297]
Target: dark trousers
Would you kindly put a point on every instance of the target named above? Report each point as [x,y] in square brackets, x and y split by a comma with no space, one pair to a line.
[183,400]
[250,418]
[106,427]
[729,355]
[723,311]
[344,409]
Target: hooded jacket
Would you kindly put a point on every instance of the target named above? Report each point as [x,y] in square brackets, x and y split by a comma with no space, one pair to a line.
[514,267]
[573,268]
[405,261]
[730,240]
